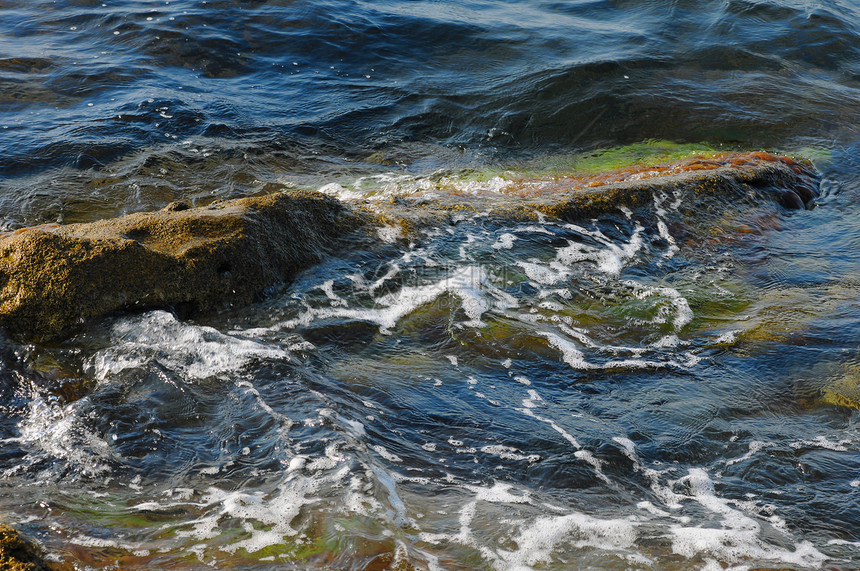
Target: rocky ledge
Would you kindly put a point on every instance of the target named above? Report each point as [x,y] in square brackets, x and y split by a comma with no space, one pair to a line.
[53,278]
[728,177]
[188,259]
[17,554]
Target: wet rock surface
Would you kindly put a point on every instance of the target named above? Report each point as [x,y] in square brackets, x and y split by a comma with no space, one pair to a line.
[53,278]
[17,554]
[188,259]
[728,177]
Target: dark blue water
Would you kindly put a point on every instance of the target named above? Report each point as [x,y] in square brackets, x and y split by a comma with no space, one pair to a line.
[670,388]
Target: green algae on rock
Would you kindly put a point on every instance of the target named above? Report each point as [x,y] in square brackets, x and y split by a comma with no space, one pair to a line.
[53,278]
[579,195]
[191,259]
[844,390]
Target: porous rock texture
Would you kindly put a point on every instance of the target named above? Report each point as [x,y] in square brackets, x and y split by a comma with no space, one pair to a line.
[17,554]
[204,259]
[188,259]
[726,177]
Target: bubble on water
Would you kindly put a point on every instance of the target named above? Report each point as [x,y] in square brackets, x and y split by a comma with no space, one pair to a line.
[739,536]
[195,351]
[471,284]
[505,241]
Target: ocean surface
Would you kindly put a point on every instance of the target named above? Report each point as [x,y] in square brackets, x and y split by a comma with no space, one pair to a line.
[652,389]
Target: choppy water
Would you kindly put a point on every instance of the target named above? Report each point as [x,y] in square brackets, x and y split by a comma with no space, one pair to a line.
[643,391]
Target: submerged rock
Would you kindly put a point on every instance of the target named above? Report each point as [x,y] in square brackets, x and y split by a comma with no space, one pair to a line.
[53,278]
[726,176]
[16,554]
[190,259]
[844,390]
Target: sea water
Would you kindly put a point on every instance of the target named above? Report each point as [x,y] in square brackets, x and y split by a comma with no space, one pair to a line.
[643,390]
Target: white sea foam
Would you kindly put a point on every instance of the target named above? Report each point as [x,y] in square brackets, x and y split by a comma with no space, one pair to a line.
[509,453]
[546,274]
[538,539]
[727,338]
[60,432]
[662,228]
[611,259]
[398,508]
[341,193]
[327,288]
[738,538]
[493,185]
[663,492]
[528,407]
[822,441]
[533,229]
[275,513]
[570,354]
[683,313]
[389,234]
[195,351]
[505,241]
[393,270]
[551,306]
[755,447]
[470,283]
[390,456]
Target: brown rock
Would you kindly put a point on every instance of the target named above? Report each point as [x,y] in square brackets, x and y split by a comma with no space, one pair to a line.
[16,554]
[53,278]
[198,259]
[732,177]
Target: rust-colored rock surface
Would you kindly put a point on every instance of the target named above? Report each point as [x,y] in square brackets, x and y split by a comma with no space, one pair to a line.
[53,278]
[16,554]
[191,259]
[725,177]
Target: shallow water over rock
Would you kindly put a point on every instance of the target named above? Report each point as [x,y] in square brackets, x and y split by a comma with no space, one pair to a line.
[492,394]
[665,386]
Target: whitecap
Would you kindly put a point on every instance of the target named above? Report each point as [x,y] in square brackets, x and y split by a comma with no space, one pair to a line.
[195,351]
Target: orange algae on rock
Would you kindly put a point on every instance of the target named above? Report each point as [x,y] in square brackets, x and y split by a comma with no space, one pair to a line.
[736,162]
[53,278]
[16,554]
